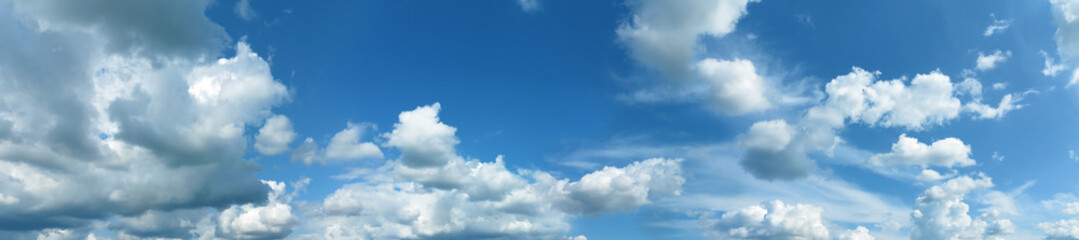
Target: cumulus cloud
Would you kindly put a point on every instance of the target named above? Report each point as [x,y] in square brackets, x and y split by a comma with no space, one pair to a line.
[940,213]
[275,135]
[948,152]
[664,34]
[860,233]
[249,221]
[929,175]
[272,219]
[1066,228]
[857,97]
[770,220]
[346,144]
[1065,14]
[431,192]
[986,62]
[134,103]
[775,220]
[735,86]
[424,141]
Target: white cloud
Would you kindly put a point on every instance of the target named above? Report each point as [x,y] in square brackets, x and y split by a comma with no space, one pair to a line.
[275,135]
[997,156]
[771,135]
[940,213]
[307,152]
[770,220]
[1065,13]
[986,62]
[1063,229]
[423,140]
[244,11]
[663,35]
[1000,86]
[998,26]
[249,221]
[929,175]
[1066,228]
[529,5]
[858,96]
[449,196]
[860,233]
[983,111]
[134,104]
[970,86]
[346,144]
[1051,67]
[948,152]
[735,86]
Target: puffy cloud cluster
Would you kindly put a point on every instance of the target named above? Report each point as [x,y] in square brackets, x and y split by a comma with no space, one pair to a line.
[275,135]
[344,146]
[775,220]
[431,192]
[1066,228]
[940,213]
[268,221]
[272,219]
[734,85]
[948,152]
[123,112]
[664,35]
[857,97]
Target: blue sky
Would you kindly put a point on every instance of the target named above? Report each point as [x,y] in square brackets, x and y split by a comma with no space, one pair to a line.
[539,119]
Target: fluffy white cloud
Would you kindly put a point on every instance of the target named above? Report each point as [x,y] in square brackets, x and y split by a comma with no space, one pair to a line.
[998,26]
[929,175]
[346,144]
[275,135]
[948,152]
[249,221]
[986,62]
[1062,229]
[860,233]
[131,105]
[424,141]
[1065,14]
[735,86]
[983,111]
[860,97]
[771,135]
[663,34]
[940,213]
[443,195]
[857,97]
[770,220]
